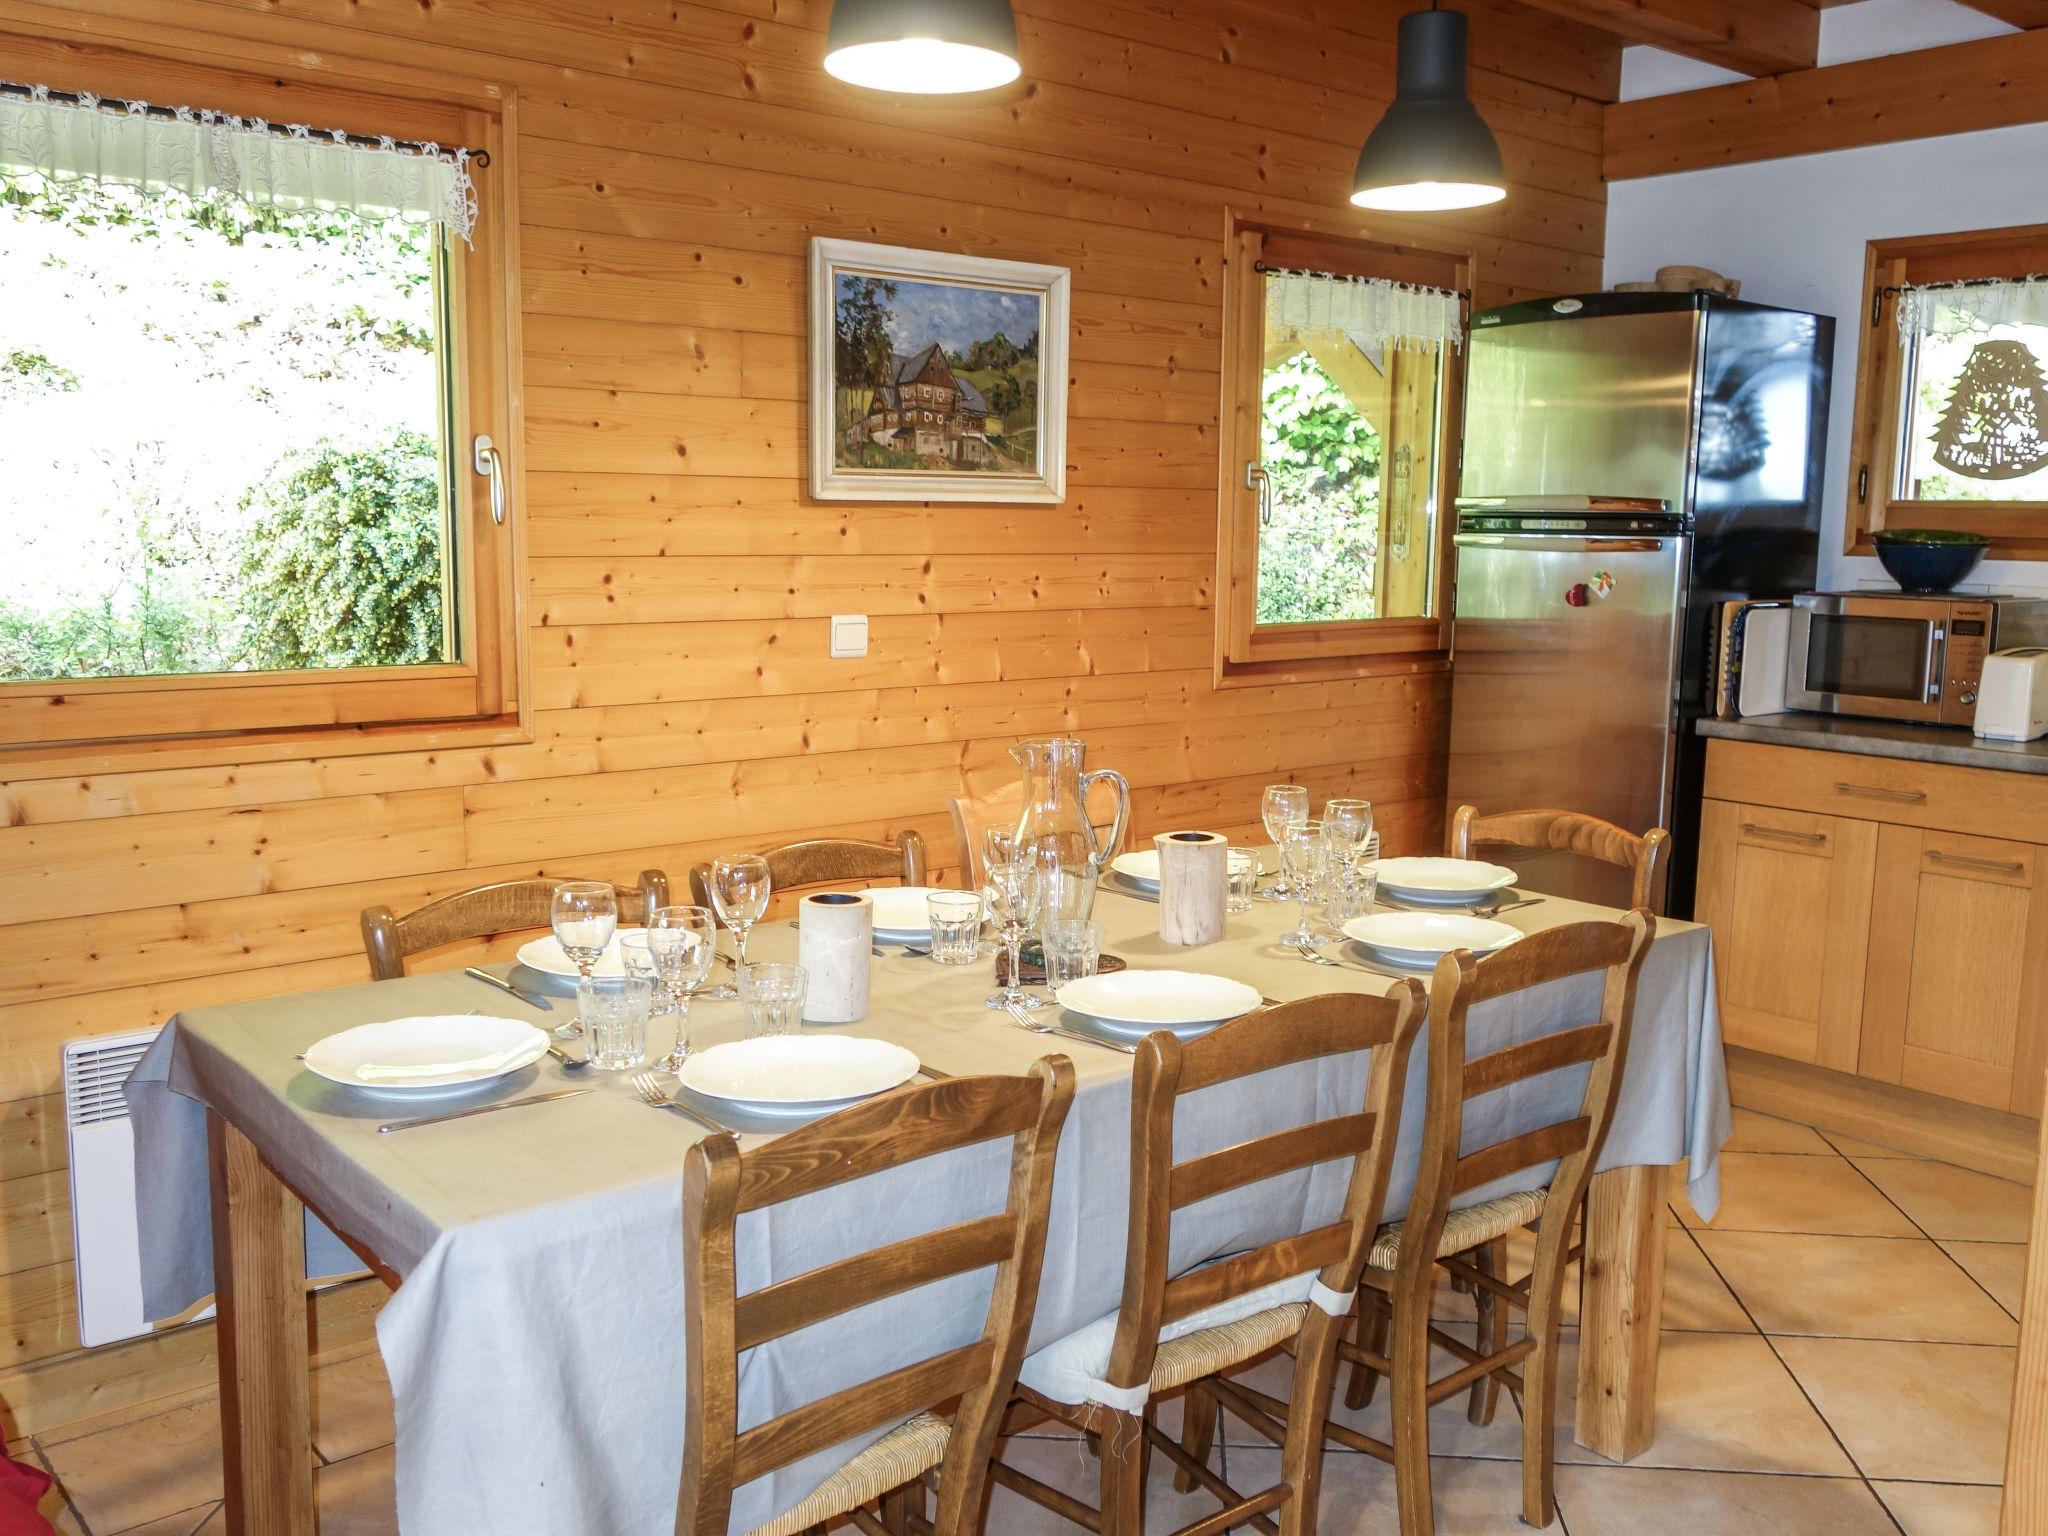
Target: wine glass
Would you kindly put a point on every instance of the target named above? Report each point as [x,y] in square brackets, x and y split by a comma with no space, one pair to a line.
[1302,857]
[1347,826]
[1018,883]
[585,914]
[739,890]
[1283,806]
[682,941]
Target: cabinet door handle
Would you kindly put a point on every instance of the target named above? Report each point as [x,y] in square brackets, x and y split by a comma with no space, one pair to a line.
[1964,861]
[1752,829]
[1877,792]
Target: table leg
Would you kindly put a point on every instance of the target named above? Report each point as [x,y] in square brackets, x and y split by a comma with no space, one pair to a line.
[1621,1311]
[259,1270]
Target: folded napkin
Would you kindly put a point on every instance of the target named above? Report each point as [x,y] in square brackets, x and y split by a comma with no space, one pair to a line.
[381,1072]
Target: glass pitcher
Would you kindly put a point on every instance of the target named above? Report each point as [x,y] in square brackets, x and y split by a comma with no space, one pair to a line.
[1055,816]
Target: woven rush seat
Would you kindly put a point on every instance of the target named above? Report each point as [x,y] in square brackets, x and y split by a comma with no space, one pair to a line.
[909,1450]
[1196,1355]
[1467,1228]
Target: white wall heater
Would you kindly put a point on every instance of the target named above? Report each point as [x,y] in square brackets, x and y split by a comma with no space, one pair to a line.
[103,1231]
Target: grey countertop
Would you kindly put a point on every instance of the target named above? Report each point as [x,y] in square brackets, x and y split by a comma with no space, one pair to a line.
[1884,738]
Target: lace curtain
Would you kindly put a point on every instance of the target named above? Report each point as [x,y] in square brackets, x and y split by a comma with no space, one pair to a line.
[1962,309]
[205,154]
[1374,313]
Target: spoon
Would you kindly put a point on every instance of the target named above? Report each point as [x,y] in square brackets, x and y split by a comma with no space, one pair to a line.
[569,1063]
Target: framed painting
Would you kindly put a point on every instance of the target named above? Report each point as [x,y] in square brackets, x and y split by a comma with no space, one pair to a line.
[936,377]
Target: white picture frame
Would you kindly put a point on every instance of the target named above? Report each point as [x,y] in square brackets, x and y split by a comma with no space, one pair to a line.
[922,421]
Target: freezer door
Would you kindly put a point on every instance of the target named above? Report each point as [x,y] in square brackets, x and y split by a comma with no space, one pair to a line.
[1563,682]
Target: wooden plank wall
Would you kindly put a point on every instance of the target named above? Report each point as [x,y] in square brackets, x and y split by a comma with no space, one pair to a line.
[674,157]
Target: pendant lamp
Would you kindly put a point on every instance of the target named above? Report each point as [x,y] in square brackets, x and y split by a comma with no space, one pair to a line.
[924,47]
[1432,151]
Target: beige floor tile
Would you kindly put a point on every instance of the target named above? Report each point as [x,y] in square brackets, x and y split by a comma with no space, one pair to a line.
[125,1477]
[352,1410]
[216,1523]
[358,1497]
[1856,1287]
[1951,1202]
[1767,1133]
[63,1521]
[184,1523]
[1851,1146]
[1724,1403]
[1695,1299]
[1777,1192]
[1943,1509]
[1631,1500]
[1911,1411]
[1998,1267]
[1472,1498]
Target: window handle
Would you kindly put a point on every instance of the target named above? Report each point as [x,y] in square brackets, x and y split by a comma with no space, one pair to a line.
[488,463]
[1256,479]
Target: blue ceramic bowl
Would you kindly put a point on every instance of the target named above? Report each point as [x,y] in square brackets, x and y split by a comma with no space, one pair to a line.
[1929,559]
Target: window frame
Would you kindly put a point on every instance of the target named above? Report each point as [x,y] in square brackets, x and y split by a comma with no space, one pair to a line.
[1247,652]
[99,724]
[2018,530]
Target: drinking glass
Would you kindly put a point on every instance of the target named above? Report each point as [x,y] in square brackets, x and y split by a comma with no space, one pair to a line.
[1351,895]
[1073,949]
[956,926]
[1243,865]
[636,955]
[1302,857]
[682,940]
[739,890]
[772,997]
[1283,806]
[1017,885]
[1347,825]
[614,1014]
[585,915]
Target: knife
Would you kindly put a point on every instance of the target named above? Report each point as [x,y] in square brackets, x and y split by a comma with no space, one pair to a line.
[531,999]
[482,1109]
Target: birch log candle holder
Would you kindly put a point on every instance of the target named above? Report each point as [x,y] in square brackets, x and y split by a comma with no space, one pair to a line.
[1194,886]
[835,940]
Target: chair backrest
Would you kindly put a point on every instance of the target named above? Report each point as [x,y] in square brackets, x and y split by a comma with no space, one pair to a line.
[975,814]
[829,861]
[722,1183]
[1647,855]
[1461,980]
[1310,1029]
[483,912]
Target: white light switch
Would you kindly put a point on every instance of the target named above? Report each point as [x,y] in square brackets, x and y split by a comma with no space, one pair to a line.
[849,634]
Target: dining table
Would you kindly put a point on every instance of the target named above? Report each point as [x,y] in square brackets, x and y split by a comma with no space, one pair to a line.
[535,1336]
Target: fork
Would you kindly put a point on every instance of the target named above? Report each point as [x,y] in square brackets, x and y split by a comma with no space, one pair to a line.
[651,1092]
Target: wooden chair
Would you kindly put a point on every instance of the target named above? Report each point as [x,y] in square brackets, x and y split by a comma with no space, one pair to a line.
[722,1183]
[975,814]
[483,912]
[830,861]
[1394,1329]
[1648,856]
[1277,1294]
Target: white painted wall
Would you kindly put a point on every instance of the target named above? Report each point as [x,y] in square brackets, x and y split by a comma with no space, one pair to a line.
[1794,231]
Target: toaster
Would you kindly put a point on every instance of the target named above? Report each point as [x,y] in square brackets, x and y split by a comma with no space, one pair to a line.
[2012,696]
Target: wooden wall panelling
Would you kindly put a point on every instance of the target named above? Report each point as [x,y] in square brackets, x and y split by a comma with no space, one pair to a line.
[673,160]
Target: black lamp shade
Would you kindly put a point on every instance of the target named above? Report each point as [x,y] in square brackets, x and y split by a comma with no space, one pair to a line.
[1432,150]
[927,47]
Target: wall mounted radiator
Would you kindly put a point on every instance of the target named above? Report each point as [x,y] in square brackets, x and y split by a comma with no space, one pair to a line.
[103,1231]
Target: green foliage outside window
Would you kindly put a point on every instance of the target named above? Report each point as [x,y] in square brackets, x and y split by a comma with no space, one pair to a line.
[1317,555]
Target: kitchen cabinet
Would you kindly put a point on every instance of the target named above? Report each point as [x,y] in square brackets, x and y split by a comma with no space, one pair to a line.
[1884,918]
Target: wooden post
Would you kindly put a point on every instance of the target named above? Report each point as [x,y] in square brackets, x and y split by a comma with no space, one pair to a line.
[259,1276]
[1621,1311]
[2026,1445]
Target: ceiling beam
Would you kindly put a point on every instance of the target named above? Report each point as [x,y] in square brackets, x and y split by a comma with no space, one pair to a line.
[1755,37]
[1995,82]
[2014,13]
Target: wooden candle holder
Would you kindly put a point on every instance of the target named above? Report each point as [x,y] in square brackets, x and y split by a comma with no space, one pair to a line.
[1194,886]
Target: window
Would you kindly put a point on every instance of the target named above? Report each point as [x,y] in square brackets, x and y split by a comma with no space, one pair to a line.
[1340,394]
[1951,427]
[241,369]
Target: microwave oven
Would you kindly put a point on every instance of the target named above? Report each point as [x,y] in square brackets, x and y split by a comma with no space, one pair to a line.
[1902,655]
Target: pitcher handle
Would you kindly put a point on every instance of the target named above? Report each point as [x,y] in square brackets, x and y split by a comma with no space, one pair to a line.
[1101,857]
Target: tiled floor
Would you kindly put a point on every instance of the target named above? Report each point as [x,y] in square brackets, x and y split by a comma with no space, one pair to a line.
[1837,1361]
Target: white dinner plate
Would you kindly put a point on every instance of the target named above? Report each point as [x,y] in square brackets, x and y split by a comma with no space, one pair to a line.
[1422,938]
[545,955]
[1135,1003]
[1142,868]
[900,912]
[427,1056]
[805,1075]
[1449,882]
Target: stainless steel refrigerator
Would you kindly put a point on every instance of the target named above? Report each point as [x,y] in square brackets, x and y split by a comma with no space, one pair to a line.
[1629,460]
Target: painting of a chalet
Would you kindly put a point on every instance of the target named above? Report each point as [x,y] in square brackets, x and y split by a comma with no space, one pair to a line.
[926,410]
